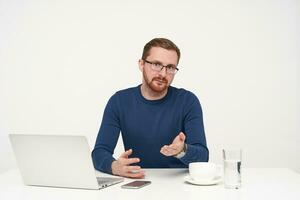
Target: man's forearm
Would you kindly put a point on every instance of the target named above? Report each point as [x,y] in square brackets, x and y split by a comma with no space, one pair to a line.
[195,153]
[102,160]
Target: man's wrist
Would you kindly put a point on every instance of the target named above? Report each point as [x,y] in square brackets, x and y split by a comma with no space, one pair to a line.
[182,153]
[113,167]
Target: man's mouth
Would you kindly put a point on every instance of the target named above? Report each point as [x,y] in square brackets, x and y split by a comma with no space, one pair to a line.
[160,81]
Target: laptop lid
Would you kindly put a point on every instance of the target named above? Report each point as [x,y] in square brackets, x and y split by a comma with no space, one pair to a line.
[56,160]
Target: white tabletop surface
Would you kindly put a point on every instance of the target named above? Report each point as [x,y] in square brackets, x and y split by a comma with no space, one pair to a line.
[257,183]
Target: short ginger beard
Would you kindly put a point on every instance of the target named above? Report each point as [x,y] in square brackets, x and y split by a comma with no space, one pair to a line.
[150,83]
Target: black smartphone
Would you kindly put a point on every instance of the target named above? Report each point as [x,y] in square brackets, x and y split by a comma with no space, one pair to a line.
[136,184]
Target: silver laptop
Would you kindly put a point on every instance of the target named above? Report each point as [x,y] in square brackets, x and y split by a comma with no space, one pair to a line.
[57,161]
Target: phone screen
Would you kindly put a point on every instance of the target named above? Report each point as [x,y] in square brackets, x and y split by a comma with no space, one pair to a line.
[136,184]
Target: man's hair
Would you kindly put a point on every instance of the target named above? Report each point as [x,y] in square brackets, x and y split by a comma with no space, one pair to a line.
[160,42]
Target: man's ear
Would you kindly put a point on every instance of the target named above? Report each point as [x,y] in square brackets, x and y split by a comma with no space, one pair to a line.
[141,65]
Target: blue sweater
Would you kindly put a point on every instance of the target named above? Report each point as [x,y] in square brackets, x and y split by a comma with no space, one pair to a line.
[147,125]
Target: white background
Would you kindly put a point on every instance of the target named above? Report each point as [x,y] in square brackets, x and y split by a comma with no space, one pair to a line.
[60,61]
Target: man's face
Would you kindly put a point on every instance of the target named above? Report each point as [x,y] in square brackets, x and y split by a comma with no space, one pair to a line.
[158,81]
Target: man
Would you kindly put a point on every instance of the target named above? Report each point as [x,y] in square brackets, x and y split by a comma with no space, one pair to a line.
[161,126]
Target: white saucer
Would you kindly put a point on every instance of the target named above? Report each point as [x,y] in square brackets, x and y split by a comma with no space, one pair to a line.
[214,181]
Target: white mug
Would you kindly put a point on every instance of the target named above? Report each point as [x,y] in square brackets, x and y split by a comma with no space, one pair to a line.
[204,171]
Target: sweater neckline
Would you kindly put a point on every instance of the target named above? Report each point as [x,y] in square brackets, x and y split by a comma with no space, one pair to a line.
[157,101]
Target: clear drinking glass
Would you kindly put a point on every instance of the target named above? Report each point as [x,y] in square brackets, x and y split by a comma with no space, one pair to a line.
[232,168]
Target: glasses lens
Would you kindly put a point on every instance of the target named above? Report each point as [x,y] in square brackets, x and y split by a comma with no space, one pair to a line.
[156,67]
[170,70]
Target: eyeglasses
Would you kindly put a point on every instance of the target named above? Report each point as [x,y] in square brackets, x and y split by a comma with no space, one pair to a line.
[171,69]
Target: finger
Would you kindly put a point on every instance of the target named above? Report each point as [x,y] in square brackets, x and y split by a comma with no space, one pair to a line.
[164,152]
[171,151]
[133,169]
[182,136]
[163,149]
[126,154]
[167,151]
[130,161]
[141,174]
[165,146]
[135,176]
[171,147]
[179,138]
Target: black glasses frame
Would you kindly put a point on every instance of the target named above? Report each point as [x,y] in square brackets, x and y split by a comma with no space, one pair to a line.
[162,66]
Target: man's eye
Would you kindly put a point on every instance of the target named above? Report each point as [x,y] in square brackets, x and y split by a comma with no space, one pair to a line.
[156,64]
[170,67]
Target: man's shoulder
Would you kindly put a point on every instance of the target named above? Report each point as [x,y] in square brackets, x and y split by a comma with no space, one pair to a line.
[125,93]
[183,93]
[185,98]
[127,90]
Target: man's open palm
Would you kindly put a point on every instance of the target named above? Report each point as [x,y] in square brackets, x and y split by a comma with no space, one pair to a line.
[176,147]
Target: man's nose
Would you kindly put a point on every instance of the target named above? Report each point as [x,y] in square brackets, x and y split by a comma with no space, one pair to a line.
[163,72]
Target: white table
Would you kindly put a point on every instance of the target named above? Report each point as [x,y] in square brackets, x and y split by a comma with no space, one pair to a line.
[257,183]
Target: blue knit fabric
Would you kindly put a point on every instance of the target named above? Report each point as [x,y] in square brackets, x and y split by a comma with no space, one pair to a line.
[148,125]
